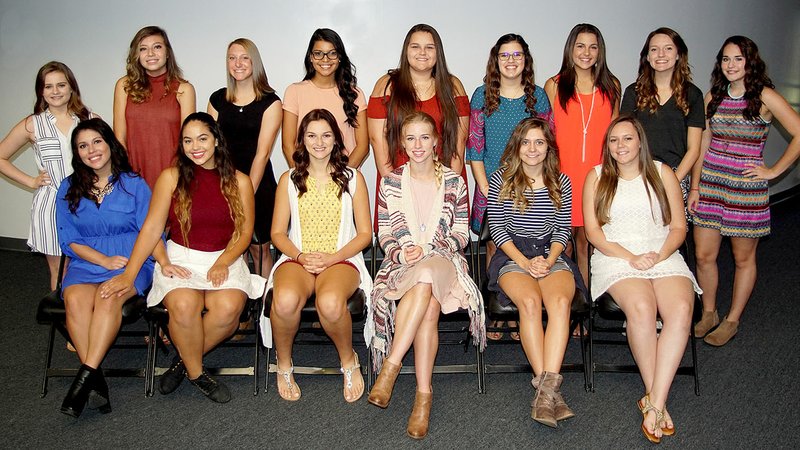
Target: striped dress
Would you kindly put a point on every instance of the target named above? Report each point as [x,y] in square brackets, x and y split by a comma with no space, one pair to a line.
[730,202]
[53,154]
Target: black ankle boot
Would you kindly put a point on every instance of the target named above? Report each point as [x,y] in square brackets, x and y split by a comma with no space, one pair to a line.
[98,395]
[78,393]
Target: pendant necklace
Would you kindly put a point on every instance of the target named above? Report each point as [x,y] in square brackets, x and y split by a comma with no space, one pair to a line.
[101,193]
[585,122]
[414,196]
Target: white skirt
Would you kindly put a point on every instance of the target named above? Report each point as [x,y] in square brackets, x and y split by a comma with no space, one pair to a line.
[198,262]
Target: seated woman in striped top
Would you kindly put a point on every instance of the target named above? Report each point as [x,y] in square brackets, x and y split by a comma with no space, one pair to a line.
[529,211]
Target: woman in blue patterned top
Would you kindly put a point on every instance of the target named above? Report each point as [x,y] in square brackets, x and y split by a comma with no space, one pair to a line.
[529,213]
[507,96]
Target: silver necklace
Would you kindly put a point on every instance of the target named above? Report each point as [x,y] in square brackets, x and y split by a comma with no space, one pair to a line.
[585,122]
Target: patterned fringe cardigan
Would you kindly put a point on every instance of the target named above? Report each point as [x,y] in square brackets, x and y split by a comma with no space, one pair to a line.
[450,238]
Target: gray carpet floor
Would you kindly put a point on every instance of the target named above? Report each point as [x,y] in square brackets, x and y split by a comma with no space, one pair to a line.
[748,388]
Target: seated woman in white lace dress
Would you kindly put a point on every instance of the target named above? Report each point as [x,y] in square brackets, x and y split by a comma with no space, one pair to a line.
[628,206]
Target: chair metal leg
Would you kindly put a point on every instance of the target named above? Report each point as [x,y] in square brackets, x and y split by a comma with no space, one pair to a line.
[481,369]
[256,356]
[152,354]
[266,369]
[586,370]
[694,361]
[591,353]
[48,358]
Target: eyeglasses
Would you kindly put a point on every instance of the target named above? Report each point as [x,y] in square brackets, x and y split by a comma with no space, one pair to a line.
[332,55]
[516,56]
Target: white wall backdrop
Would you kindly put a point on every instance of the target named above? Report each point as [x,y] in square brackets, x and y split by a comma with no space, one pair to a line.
[92,37]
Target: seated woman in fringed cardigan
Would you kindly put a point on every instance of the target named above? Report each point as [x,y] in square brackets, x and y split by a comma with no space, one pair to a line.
[422,228]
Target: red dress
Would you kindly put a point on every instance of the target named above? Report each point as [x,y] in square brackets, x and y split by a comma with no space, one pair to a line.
[377,109]
[153,129]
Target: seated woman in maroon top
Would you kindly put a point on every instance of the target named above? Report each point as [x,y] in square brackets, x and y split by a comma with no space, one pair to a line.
[209,207]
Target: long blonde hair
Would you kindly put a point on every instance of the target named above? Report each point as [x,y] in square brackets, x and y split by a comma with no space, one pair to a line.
[609,176]
[421,117]
[260,83]
[515,182]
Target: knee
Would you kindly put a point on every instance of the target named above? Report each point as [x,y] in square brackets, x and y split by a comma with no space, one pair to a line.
[75,306]
[330,307]
[705,257]
[680,314]
[641,313]
[559,306]
[183,312]
[227,312]
[530,308]
[285,303]
[433,311]
[744,261]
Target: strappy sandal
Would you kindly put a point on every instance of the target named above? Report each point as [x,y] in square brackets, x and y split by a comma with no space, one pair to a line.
[348,378]
[645,407]
[665,430]
[291,387]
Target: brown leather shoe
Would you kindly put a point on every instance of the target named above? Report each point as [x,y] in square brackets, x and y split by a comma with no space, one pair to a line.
[542,406]
[381,391]
[709,320]
[724,333]
[560,409]
[420,415]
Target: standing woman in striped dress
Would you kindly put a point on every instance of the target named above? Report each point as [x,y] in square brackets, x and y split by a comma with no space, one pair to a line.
[529,214]
[729,194]
[57,111]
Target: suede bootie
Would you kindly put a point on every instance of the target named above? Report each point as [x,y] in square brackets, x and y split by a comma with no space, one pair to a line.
[709,320]
[381,391]
[726,330]
[419,419]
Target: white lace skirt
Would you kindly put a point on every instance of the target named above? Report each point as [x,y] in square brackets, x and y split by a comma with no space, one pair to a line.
[198,262]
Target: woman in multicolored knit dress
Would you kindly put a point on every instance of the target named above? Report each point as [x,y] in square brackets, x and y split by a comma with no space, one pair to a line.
[729,194]
[422,228]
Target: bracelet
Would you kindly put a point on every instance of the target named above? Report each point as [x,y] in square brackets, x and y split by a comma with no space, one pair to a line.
[694,189]
[298,256]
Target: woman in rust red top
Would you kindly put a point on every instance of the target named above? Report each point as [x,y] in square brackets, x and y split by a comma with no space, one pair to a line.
[421,82]
[205,269]
[150,102]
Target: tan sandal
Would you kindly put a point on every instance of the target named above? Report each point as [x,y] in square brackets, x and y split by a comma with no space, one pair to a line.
[645,407]
[348,379]
[292,389]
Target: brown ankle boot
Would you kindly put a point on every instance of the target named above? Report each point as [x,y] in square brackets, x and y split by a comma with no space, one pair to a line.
[724,333]
[420,415]
[709,320]
[542,406]
[560,409]
[381,391]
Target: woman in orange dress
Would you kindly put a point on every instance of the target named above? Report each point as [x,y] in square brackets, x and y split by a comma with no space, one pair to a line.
[585,98]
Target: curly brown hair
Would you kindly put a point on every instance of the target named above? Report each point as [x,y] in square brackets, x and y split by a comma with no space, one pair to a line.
[137,83]
[646,91]
[491,95]
[755,78]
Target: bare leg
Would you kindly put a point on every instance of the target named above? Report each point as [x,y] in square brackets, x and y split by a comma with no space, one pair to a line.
[744,255]
[262,258]
[79,305]
[104,327]
[426,345]
[186,327]
[52,265]
[558,289]
[582,253]
[637,299]
[524,291]
[334,287]
[706,244]
[675,299]
[223,309]
[411,311]
[293,286]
